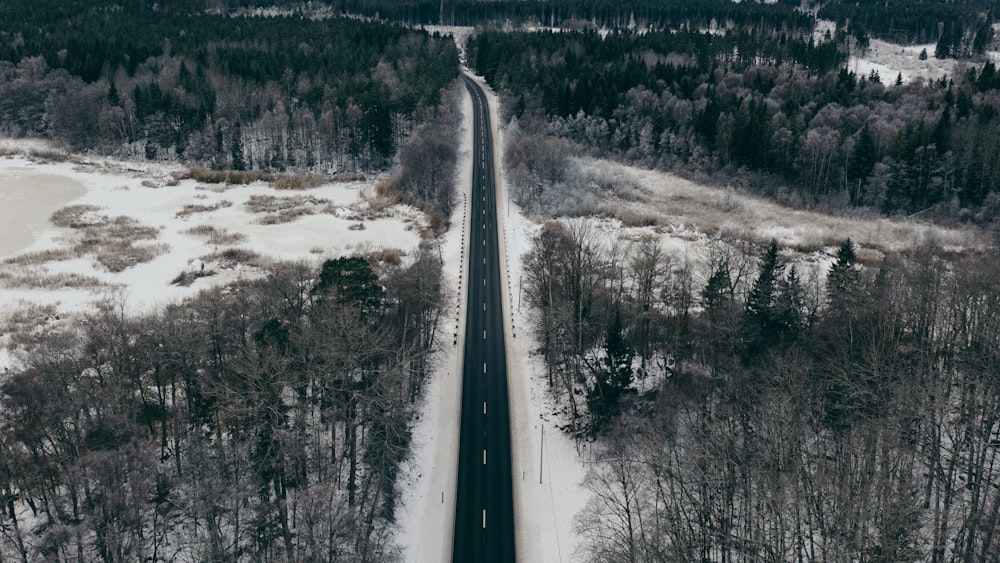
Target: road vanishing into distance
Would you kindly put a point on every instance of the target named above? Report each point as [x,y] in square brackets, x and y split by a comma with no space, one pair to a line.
[484,511]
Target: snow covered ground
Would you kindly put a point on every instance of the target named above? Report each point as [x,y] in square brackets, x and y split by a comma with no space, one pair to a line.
[549,467]
[891,60]
[188,224]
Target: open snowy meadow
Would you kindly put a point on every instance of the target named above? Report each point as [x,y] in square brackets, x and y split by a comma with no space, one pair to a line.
[77,231]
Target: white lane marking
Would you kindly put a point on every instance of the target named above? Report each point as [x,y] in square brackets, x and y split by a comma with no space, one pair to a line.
[484,518]
[484,457]
[484,407]
[484,369]
[484,335]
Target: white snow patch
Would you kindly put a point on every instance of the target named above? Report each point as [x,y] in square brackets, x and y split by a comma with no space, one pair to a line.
[30,191]
[891,60]
[824,31]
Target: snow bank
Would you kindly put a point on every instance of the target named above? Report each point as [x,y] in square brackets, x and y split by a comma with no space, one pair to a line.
[548,466]
[429,478]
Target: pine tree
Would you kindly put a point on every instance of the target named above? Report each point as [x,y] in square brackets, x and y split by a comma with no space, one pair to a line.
[790,318]
[351,281]
[862,162]
[842,282]
[761,322]
[718,291]
[236,148]
[612,375]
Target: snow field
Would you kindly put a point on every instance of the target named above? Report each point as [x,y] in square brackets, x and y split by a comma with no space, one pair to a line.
[40,268]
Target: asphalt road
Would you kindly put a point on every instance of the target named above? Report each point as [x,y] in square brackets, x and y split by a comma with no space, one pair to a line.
[484,511]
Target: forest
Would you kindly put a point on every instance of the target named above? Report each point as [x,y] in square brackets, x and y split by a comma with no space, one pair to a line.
[263,421]
[772,113]
[278,93]
[656,14]
[749,412]
[960,29]
[745,411]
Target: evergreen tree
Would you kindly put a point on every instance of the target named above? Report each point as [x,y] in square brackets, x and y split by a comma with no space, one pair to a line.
[351,281]
[843,281]
[718,291]
[612,375]
[761,319]
[236,149]
[862,162]
[790,316]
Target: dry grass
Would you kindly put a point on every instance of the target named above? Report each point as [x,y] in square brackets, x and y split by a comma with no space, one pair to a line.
[274,204]
[23,321]
[188,277]
[40,279]
[298,182]
[235,256]
[349,177]
[230,177]
[217,188]
[715,211]
[192,208]
[49,155]
[635,218]
[392,256]
[285,209]
[26,318]
[215,235]
[286,216]
[40,257]
[118,256]
[386,195]
[76,216]
[116,243]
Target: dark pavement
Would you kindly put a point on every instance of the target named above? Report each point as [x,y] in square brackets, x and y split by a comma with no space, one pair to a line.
[484,512]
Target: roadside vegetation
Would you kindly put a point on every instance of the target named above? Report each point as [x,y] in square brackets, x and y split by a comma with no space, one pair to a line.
[262,421]
[746,409]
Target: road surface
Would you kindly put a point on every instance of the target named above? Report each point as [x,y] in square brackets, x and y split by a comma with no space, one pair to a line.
[484,511]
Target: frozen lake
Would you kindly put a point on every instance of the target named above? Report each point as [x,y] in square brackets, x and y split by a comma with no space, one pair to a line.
[27,199]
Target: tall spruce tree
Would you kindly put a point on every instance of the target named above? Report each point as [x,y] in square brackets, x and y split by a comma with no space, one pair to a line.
[761,322]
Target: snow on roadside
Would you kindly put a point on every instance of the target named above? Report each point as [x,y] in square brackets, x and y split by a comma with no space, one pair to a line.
[548,467]
[544,511]
[429,478]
